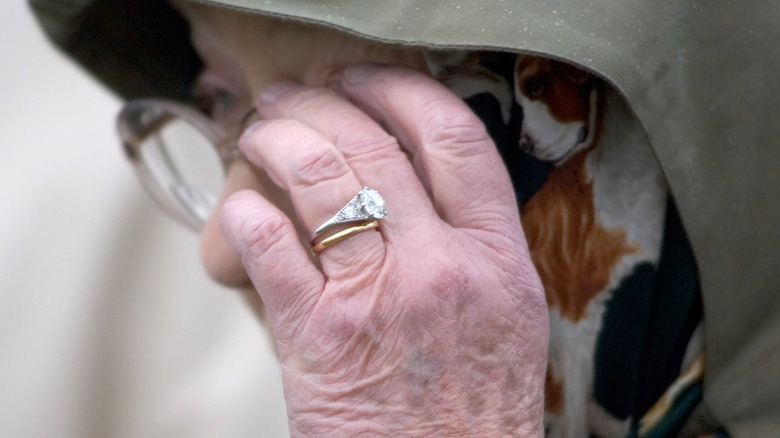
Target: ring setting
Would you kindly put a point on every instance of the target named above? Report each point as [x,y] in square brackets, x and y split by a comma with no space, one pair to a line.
[365,209]
[368,205]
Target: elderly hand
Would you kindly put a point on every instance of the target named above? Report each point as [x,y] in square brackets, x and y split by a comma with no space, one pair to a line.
[434,324]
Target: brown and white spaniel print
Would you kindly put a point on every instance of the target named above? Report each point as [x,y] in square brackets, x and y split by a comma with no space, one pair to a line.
[598,216]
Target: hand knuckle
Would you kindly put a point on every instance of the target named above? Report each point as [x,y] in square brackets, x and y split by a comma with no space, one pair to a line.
[307,98]
[356,143]
[318,164]
[262,234]
[455,131]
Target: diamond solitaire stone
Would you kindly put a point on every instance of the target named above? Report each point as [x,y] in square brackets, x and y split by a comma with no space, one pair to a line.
[371,203]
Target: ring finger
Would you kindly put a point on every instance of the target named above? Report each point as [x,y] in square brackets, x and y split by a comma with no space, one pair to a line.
[374,155]
[320,182]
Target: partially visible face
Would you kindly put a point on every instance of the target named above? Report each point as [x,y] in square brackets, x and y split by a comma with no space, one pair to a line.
[558,104]
[241,54]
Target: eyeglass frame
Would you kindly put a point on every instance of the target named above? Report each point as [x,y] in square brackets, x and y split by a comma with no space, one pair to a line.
[133,132]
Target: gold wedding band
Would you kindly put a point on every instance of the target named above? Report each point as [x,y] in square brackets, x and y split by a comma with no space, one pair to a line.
[335,238]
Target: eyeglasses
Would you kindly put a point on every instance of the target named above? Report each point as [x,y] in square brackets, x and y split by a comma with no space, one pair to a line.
[180,155]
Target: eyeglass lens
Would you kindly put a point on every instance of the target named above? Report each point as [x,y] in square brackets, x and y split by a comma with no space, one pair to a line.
[185,167]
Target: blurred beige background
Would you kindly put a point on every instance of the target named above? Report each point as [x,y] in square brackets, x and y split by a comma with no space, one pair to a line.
[108,326]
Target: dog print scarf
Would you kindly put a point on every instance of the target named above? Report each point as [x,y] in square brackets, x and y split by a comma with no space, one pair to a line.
[625,354]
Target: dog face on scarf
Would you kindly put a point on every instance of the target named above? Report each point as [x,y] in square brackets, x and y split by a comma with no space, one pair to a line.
[559,108]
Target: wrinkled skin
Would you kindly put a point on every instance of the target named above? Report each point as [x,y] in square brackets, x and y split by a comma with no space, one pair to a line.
[433,325]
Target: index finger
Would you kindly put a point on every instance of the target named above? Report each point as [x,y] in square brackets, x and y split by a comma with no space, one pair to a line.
[469,183]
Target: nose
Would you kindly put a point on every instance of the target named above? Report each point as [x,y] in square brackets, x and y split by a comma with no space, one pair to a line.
[583,134]
[527,144]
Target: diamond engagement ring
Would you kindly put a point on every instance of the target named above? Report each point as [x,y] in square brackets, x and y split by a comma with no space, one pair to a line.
[368,205]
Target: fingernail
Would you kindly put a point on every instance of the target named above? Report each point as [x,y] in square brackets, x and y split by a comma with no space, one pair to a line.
[270,92]
[249,130]
[355,74]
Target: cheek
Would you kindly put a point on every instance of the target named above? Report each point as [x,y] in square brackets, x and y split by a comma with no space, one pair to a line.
[221,262]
